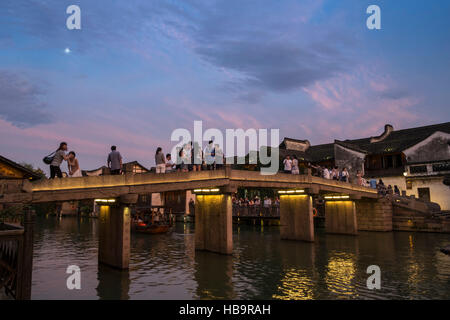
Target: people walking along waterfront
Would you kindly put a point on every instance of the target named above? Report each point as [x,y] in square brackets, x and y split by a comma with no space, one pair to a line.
[114,161]
[60,155]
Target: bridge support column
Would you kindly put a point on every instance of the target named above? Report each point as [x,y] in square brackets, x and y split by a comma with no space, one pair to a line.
[114,233]
[296,217]
[213,223]
[340,217]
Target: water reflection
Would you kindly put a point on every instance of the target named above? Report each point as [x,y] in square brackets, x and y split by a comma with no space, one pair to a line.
[213,275]
[262,265]
[112,283]
[340,274]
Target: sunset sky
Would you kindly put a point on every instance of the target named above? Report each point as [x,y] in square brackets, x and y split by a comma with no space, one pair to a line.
[139,69]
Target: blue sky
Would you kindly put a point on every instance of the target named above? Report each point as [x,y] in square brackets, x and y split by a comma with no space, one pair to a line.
[139,69]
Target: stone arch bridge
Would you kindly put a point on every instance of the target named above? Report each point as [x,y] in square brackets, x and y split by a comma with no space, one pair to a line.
[348,207]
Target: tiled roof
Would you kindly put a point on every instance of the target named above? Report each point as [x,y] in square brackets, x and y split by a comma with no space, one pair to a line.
[395,142]
[28,173]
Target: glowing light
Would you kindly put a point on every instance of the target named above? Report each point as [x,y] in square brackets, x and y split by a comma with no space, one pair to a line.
[206,190]
[337,197]
[67,51]
[291,191]
[105,200]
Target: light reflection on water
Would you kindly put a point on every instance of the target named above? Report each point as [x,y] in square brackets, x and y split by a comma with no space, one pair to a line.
[262,266]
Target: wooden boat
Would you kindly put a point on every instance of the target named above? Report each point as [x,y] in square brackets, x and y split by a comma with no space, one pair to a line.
[154,222]
[152,228]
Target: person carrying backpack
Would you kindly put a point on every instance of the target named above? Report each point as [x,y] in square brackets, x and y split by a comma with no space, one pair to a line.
[60,155]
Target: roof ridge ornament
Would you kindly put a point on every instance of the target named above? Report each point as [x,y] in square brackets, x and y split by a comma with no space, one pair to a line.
[295,144]
[387,131]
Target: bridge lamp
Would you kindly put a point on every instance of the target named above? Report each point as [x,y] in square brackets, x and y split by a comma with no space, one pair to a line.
[207,191]
[294,191]
[336,197]
[104,201]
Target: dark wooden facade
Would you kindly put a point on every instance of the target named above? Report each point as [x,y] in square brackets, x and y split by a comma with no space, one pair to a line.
[16,258]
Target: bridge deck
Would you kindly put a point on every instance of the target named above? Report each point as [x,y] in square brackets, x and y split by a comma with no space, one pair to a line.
[111,186]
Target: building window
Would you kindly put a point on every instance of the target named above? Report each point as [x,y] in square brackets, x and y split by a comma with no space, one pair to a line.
[441,167]
[408,185]
[424,194]
[418,169]
[388,162]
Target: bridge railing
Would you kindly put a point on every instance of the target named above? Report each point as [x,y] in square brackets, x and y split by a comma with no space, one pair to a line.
[16,258]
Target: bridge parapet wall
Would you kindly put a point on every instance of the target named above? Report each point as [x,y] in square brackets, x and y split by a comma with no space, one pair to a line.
[374,215]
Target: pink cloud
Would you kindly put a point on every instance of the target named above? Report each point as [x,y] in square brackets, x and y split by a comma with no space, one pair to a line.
[359,105]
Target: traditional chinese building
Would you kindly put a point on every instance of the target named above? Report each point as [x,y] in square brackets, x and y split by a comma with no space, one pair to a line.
[12,170]
[417,160]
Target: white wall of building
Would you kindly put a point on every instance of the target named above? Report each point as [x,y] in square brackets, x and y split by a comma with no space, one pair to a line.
[439,192]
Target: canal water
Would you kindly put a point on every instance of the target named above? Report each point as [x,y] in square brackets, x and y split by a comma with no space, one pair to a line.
[262,266]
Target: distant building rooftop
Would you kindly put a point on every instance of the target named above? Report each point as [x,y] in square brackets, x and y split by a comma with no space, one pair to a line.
[390,142]
[12,170]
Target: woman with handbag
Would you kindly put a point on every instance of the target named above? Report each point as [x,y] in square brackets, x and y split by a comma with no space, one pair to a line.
[58,158]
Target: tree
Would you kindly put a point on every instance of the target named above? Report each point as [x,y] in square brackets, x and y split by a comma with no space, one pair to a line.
[30,167]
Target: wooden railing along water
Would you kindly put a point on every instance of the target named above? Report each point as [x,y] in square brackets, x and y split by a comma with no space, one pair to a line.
[16,258]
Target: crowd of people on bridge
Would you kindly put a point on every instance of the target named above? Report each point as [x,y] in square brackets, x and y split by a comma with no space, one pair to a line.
[291,165]
[191,157]
[255,201]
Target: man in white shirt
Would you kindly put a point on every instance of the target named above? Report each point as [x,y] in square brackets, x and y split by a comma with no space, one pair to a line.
[287,165]
[326,173]
[169,163]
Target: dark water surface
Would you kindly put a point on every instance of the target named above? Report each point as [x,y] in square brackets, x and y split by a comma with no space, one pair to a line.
[262,266]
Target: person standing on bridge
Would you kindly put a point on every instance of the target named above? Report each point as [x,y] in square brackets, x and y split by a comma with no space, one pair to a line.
[287,165]
[295,169]
[114,161]
[160,161]
[170,166]
[210,155]
[326,173]
[73,165]
[344,175]
[60,155]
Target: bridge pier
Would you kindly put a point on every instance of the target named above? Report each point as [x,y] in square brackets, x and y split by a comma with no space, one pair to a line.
[296,217]
[213,223]
[114,232]
[340,217]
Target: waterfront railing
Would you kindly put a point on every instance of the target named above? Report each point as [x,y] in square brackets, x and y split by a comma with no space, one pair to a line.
[16,258]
